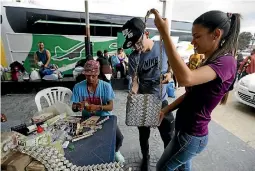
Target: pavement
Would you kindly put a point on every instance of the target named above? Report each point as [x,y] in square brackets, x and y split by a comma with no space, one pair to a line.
[231,134]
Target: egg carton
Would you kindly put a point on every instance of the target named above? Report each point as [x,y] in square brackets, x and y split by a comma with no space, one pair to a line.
[55,161]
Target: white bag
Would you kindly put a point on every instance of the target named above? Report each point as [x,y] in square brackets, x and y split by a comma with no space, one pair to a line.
[57,108]
[35,75]
[50,77]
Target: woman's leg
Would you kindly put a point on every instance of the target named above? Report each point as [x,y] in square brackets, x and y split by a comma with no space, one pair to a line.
[180,151]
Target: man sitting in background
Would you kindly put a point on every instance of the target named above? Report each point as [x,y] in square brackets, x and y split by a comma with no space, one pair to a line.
[42,55]
[95,97]
[42,58]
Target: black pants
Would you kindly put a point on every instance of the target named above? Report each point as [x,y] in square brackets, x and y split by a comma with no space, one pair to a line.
[119,139]
[166,130]
[121,68]
[175,81]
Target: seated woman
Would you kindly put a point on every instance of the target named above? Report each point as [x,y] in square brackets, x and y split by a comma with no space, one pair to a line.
[95,97]
[123,62]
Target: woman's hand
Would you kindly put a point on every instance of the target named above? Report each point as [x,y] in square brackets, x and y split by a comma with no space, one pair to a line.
[161,23]
[163,112]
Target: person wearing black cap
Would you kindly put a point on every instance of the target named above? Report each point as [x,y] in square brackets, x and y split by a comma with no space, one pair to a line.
[146,56]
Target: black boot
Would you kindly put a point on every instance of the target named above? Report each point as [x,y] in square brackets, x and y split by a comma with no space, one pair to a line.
[145,166]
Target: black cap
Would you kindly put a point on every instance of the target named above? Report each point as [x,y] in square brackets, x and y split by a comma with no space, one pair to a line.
[132,31]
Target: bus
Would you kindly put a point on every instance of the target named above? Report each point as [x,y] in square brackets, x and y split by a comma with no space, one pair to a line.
[63,34]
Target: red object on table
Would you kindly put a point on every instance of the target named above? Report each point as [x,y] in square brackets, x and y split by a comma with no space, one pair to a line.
[39,129]
[3,118]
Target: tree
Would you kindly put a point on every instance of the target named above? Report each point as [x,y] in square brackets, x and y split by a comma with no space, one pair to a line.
[244,40]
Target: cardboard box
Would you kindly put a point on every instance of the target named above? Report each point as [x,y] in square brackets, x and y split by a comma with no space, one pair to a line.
[16,162]
[35,166]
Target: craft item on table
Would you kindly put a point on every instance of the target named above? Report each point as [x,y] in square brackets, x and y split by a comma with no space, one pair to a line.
[65,145]
[3,118]
[59,162]
[91,121]
[42,117]
[58,146]
[103,120]
[60,136]
[84,135]
[79,129]
[73,119]
[32,128]
[38,139]
[22,128]
[44,126]
[71,147]
[73,125]
[53,120]
[74,128]
[39,129]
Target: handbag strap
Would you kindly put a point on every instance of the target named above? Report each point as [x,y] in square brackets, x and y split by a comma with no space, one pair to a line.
[160,61]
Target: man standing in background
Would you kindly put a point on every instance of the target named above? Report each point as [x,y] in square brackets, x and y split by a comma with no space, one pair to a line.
[247,66]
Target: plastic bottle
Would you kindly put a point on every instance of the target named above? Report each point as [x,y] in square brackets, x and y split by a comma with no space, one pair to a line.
[118,74]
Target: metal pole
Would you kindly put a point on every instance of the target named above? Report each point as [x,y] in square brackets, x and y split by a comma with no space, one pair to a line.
[87,36]
[252,40]
[164,9]
[167,4]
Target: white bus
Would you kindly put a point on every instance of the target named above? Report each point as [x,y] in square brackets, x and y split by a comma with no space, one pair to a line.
[62,32]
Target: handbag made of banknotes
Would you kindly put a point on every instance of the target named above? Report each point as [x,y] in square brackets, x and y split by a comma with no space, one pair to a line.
[144,109]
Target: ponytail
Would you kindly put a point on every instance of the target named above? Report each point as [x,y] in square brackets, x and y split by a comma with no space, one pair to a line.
[231,43]
[228,43]
[230,24]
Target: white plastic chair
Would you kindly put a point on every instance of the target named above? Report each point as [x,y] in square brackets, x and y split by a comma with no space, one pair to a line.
[52,95]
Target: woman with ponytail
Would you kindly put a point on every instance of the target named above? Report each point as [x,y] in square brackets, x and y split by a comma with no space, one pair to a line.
[215,35]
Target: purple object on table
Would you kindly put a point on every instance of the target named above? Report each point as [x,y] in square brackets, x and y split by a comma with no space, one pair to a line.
[96,149]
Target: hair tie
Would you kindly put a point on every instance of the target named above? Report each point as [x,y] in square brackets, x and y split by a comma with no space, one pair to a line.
[229,15]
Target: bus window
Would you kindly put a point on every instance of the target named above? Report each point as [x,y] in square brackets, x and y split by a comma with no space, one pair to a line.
[115,31]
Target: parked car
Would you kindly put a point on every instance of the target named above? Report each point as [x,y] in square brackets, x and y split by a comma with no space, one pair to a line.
[245,90]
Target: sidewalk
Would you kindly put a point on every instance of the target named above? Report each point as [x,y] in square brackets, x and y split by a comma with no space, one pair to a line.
[225,152]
